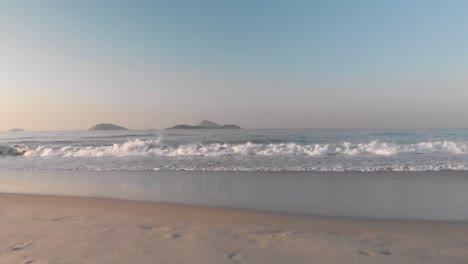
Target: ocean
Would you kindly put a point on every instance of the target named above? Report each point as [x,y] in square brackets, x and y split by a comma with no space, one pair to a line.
[338,150]
[396,174]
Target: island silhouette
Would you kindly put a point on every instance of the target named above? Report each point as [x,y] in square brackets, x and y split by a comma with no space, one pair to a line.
[105,126]
[205,124]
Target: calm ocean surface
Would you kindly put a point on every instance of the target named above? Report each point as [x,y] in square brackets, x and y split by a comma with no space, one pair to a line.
[237,150]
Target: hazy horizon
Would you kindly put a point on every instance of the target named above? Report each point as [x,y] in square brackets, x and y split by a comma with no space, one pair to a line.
[249,128]
[68,65]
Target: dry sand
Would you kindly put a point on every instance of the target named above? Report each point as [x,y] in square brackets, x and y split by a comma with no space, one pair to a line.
[46,229]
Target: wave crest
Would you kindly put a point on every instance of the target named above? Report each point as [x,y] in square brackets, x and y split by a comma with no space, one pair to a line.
[12,151]
[154,147]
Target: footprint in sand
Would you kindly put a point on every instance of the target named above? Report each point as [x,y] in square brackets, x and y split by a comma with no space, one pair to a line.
[56,219]
[252,241]
[172,236]
[385,252]
[379,244]
[370,253]
[155,228]
[146,227]
[176,235]
[367,253]
[274,233]
[263,238]
[235,257]
[165,232]
[33,261]
[19,246]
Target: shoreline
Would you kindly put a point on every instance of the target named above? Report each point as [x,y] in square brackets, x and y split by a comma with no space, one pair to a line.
[54,229]
[390,195]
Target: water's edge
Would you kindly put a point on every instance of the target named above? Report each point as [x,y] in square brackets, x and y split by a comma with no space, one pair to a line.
[391,195]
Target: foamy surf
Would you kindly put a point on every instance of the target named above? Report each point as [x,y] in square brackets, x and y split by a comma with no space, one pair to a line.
[247,150]
[139,147]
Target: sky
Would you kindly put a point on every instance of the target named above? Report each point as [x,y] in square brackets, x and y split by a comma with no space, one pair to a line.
[68,64]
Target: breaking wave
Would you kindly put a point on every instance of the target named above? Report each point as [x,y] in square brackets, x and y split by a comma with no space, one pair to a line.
[155,147]
[12,151]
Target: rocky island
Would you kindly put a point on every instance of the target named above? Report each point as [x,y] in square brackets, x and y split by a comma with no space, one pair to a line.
[16,130]
[205,124]
[107,127]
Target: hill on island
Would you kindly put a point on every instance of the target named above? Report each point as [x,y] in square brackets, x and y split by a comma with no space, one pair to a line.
[209,124]
[16,130]
[205,124]
[107,127]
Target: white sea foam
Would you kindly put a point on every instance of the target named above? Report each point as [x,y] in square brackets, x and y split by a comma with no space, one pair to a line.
[413,168]
[156,148]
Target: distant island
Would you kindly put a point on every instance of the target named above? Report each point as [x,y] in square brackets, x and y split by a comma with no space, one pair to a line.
[205,124]
[16,130]
[107,127]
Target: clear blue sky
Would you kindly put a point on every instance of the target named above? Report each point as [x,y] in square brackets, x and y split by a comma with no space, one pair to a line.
[148,64]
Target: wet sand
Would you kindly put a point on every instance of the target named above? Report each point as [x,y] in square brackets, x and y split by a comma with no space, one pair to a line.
[432,195]
[51,229]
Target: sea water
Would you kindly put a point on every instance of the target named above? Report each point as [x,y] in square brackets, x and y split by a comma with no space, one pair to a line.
[237,150]
[409,174]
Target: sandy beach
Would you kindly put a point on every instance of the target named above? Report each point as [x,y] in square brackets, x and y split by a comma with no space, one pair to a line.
[52,229]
